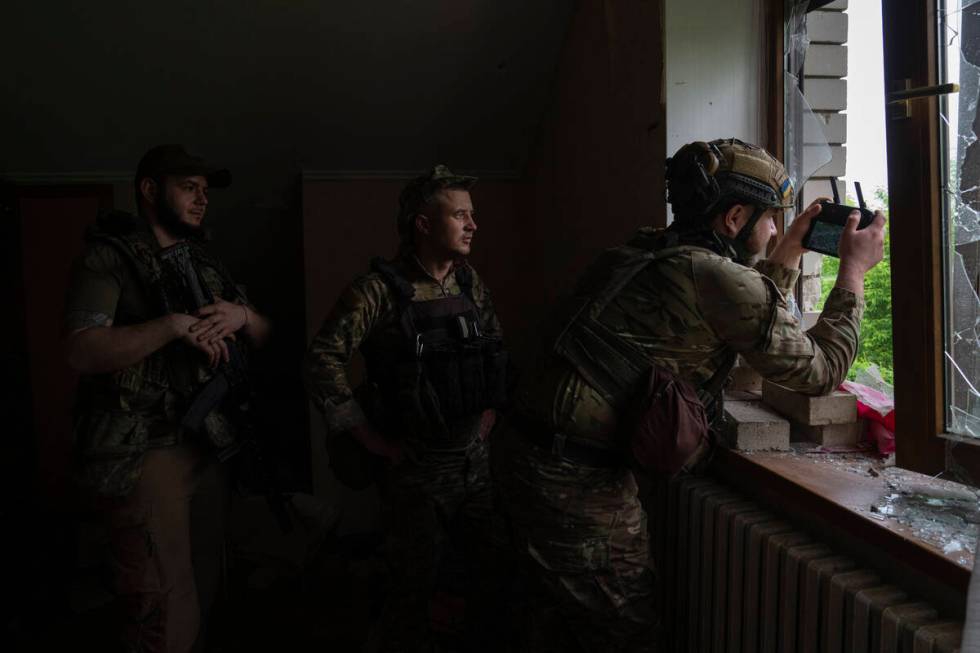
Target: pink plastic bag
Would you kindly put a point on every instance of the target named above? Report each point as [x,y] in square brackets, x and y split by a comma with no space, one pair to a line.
[879,410]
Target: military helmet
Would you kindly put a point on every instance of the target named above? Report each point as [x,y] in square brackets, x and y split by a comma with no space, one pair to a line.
[418,192]
[701,176]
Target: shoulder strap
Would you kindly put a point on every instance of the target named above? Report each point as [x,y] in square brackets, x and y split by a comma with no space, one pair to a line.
[403,292]
[201,254]
[464,277]
[611,364]
[710,392]
[138,254]
[623,264]
[399,286]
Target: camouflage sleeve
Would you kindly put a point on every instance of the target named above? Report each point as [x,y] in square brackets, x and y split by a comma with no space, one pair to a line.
[360,308]
[96,282]
[749,313]
[488,314]
[784,278]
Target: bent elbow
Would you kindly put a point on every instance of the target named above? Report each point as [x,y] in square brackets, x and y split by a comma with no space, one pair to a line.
[77,354]
[76,359]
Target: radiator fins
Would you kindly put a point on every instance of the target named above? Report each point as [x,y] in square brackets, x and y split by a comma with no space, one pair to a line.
[735,578]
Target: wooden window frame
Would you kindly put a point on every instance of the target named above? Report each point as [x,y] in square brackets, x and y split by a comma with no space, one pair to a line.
[916,212]
[916,226]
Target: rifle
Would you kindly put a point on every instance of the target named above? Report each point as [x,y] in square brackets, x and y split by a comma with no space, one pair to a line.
[229,388]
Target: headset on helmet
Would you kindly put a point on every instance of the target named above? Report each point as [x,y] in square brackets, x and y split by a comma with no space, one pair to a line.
[702,177]
[692,188]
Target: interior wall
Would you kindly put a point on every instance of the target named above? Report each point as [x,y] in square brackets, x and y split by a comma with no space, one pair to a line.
[281,86]
[596,172]
[714,64]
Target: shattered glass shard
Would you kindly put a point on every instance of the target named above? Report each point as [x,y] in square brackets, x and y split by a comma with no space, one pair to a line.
[962,251]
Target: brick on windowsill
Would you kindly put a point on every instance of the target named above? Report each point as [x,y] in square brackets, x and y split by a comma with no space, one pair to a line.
[828,434]
[751,426]
[836,408]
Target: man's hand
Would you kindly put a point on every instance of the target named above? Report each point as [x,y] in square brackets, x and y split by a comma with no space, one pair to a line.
[789,249]
[377,444]
[219,320]
[801,224]
[860,250]
[183,328]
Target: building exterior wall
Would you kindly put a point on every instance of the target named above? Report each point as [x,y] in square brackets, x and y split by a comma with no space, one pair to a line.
[825,89]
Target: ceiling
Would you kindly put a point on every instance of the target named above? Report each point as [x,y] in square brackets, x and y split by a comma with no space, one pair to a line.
[337,87]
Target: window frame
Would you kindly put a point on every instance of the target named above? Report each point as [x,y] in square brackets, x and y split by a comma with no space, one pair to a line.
[916,213]
[910,39]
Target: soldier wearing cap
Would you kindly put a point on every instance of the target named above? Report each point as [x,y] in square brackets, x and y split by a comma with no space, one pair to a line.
[426,327]
[140,366]
[679,303]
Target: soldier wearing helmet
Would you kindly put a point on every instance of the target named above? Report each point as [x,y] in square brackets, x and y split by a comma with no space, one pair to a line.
[657,323]
[426,327]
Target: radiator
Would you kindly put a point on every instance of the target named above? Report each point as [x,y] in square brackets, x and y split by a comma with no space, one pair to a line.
[735,577]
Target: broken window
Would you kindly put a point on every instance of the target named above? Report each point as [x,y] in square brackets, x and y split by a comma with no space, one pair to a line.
[959,29]
[835,131]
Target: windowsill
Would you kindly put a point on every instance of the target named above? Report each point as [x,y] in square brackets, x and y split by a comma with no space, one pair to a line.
[965,439]
[842,494]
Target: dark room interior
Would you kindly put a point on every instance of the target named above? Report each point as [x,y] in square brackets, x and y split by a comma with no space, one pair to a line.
[566,111]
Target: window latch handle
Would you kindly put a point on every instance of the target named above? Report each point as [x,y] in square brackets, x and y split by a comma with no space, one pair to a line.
[900,100]
[921,92]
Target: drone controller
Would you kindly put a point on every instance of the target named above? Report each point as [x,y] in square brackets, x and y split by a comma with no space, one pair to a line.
[827,227]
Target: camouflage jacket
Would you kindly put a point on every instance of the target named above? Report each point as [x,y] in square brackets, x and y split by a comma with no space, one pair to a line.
[688,312]
[365,318]
[119,415]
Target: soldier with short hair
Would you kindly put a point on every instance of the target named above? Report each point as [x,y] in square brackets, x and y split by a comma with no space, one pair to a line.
[676,304]
[433,347]
[143,360]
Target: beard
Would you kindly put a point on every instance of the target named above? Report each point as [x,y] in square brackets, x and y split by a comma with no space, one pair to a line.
[170,220]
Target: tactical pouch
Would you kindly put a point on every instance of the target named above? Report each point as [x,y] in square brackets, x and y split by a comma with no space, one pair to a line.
[444,372]
[665,425]
[448,372]
[467,377]
[472,379]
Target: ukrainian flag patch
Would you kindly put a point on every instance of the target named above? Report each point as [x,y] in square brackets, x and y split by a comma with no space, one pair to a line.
[786,189]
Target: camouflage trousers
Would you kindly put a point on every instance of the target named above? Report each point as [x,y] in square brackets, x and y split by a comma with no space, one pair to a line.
[581,534]
[442,502]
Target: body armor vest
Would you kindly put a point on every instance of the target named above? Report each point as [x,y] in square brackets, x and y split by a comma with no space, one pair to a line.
[611,364]
[165,277]
[446,370]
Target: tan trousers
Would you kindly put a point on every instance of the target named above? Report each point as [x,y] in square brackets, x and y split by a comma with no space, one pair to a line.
[166,539]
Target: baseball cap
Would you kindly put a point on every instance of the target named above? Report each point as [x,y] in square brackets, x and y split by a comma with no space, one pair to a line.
[174,160]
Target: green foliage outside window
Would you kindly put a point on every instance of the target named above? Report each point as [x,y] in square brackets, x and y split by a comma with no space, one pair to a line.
[876,328]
